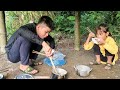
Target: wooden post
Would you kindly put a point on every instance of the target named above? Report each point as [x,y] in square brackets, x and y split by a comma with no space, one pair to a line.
[77,31]
[3,38]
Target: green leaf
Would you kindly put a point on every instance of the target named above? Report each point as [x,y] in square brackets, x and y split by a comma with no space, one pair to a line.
[71,18]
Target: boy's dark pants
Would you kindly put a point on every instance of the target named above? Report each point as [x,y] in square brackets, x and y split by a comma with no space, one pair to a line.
[22,51]
[96,49]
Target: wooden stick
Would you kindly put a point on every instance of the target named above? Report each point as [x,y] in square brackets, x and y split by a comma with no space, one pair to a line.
[53,65]
[89,30]
[49,58]
[38,53]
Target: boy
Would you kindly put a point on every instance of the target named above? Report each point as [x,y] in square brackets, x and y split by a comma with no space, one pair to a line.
[30,37]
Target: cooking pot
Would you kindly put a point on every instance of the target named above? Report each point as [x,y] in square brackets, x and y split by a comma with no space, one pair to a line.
[61,74]
[82,70]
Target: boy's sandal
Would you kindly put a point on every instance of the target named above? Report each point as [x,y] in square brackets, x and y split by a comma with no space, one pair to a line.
[108,66]
[94,63]
[29,70]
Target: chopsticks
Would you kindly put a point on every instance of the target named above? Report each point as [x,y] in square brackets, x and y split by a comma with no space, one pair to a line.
[89,30]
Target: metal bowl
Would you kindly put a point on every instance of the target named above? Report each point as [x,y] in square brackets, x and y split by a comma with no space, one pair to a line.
[24,76]
[82,70]
[1,76]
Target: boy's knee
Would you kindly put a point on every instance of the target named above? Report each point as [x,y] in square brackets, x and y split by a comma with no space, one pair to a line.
[24,41]
[13,61]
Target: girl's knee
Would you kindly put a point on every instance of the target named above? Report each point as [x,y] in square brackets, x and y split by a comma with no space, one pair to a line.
[96,46]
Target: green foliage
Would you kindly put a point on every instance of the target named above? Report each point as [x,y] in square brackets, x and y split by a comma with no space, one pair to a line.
[71,18]
[90,19]
[15,19]
[115,31]
[65,21]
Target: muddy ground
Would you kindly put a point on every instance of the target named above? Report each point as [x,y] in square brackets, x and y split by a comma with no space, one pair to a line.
[72,57]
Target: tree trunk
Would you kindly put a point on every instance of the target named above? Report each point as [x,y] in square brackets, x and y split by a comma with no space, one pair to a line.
[77,31]
[3,38]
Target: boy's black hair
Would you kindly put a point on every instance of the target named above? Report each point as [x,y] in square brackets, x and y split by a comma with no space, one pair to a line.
[48,21]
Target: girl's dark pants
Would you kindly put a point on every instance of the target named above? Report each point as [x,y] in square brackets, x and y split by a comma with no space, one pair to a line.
[96,49]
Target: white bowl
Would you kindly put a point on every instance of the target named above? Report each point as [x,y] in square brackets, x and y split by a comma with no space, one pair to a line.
[95,40]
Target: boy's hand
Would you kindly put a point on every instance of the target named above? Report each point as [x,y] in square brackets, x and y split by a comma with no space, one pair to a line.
[47,49]
[49,53]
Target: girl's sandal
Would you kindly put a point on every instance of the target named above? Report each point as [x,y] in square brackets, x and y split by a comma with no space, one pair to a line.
[108,66]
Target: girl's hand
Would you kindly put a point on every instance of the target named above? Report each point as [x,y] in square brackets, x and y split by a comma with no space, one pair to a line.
[91,34]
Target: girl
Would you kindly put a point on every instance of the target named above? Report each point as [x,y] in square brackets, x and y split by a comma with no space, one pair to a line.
[106,50]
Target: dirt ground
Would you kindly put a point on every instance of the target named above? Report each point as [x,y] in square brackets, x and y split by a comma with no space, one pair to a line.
[72,57]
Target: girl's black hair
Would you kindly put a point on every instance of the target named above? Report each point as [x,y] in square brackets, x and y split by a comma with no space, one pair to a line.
[104,25]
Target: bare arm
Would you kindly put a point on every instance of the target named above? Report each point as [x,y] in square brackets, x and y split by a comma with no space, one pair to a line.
[91,34]
[47,49]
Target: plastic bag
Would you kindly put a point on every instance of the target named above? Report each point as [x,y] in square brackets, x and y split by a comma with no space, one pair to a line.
[58,59]
[58,55]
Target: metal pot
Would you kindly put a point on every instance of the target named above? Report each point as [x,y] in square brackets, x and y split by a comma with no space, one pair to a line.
[82,70]
[62,74]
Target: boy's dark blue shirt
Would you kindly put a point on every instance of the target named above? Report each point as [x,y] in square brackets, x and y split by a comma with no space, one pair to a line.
[28,31]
